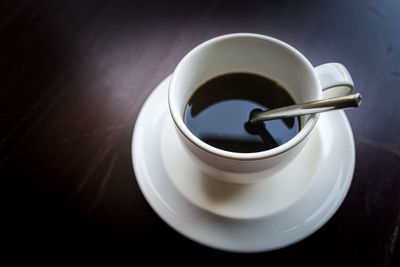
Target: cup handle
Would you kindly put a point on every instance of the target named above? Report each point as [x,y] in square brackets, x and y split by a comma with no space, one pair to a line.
[335,80]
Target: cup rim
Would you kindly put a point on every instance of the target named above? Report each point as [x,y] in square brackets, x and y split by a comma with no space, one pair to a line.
[178,120]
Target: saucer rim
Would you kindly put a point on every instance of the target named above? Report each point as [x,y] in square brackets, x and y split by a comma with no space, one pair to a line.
[330,211]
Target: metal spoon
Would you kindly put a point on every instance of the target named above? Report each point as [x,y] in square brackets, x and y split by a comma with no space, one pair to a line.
[349,101]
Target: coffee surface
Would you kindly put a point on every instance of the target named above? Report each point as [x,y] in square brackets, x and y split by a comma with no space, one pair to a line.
[219,110]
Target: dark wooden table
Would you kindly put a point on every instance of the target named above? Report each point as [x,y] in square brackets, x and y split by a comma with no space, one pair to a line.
[74,75]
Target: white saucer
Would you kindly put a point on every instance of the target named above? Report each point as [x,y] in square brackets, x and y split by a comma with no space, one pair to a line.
[274,213]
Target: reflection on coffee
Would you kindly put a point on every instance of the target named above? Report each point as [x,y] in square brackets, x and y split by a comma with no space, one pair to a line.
[219,110]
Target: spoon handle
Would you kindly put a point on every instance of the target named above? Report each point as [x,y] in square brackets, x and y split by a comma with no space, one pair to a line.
[319,106]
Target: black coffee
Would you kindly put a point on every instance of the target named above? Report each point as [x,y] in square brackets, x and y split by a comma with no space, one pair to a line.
[219,110]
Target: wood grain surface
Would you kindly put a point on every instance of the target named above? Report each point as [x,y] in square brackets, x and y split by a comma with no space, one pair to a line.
[74,75]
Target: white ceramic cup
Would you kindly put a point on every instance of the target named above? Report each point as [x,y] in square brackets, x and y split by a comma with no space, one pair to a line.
[265,56]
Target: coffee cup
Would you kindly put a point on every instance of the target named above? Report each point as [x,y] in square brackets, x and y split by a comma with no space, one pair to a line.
[264,56]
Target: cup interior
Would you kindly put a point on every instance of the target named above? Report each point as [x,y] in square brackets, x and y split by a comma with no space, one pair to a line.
[246,53]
